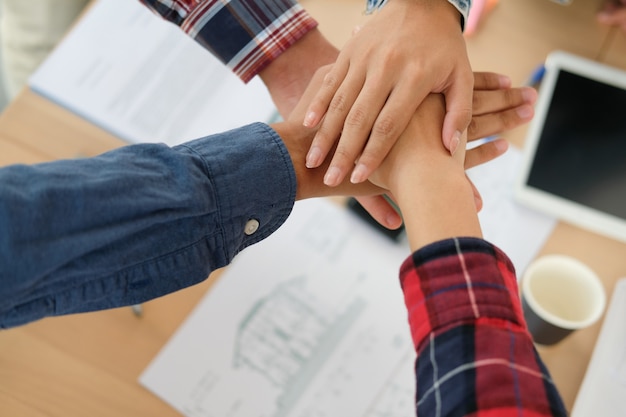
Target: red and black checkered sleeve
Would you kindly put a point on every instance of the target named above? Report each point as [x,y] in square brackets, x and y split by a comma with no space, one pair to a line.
[246,35]
[474,353]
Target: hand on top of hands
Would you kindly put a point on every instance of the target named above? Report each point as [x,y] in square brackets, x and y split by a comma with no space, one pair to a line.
[409,49]
[496,107]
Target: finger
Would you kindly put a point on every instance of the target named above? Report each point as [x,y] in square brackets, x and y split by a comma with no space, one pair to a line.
[355,135]
[493,123]
[484,102]
[485,152]
[458,111]
[332,80]
[478,200]
[490,81]
[381,210]
[390,122]
[612,17]
[311,90]
[332,125]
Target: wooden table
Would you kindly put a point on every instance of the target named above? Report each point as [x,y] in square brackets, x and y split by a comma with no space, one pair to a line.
[88,364]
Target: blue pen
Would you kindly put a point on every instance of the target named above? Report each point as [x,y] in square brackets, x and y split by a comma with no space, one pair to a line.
[536,76]
[476,143]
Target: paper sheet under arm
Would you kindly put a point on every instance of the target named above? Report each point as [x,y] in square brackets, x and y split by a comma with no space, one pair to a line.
[140,77]
[309,323]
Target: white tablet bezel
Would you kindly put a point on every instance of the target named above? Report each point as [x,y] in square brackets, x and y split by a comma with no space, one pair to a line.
[569,211]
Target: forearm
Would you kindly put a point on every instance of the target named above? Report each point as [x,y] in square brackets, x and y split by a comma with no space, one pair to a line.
[474,353]
[446,201]
[136,223]
[430,184]
[142,221]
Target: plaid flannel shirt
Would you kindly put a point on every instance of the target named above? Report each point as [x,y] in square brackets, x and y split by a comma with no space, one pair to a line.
[246,35]
[474,353]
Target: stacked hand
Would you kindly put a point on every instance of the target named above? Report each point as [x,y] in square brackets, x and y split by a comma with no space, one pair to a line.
[369,94]
[496,107]
[410,49]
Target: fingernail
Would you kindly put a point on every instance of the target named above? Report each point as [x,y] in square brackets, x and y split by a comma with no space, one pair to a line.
[505,82]
[309,119]
[313,158]
[454,142]
[529,94]
[524,112]
[393,221]
[501,145]
[359,174]
[332,177]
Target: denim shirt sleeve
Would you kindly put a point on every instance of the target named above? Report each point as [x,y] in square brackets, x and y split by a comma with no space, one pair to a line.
[463,6]
[137,222]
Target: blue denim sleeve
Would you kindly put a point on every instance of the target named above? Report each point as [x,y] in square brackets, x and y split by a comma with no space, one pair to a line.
[137,222]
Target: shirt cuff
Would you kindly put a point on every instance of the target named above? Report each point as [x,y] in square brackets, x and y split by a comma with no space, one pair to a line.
[254,195]
[247,35]
[463,6]
[459,281]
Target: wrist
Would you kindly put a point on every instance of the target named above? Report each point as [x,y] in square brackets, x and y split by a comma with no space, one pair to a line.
[443,11]
[287,76]
[438,208]
[310,181]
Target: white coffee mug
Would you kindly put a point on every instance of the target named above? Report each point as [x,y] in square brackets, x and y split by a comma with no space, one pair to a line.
[559,295]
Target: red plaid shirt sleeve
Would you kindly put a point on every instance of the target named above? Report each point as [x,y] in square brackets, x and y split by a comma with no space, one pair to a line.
[246,35]
[474,353]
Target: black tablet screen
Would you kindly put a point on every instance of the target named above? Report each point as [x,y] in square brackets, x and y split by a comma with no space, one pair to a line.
[581,153]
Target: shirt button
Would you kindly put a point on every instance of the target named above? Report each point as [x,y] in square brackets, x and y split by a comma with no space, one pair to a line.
[251,227]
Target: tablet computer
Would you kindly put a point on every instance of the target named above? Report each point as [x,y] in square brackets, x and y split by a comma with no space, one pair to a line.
[574,158]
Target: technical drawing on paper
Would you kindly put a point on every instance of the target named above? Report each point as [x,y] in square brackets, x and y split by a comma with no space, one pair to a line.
[286,337]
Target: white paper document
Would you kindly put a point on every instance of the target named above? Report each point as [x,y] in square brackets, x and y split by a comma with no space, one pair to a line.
[140,77]
[311,322]
[603,391]
[518,230]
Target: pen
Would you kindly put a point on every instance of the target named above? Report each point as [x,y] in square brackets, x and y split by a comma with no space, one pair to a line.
[536,76]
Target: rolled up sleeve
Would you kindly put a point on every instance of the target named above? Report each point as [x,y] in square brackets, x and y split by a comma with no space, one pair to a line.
[246,35]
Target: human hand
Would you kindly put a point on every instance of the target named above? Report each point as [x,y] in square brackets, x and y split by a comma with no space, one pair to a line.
[298,138]
[496,108]
[428,184]
[613,13]
[409,49]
